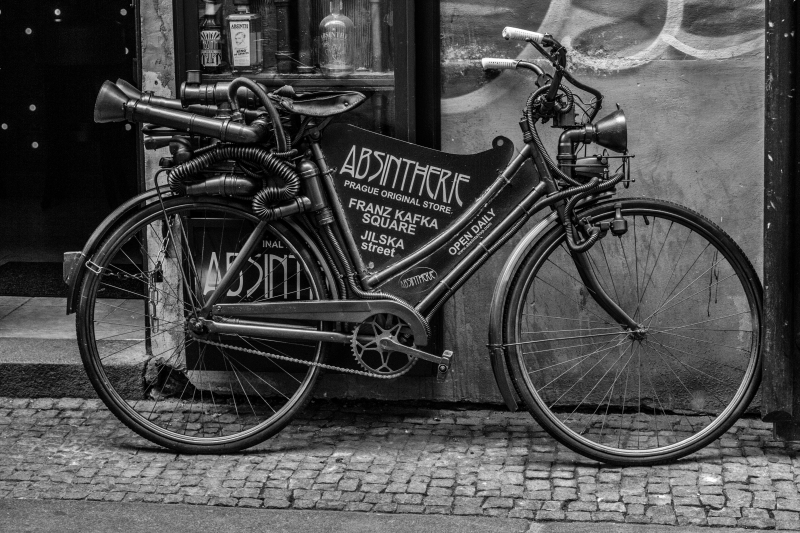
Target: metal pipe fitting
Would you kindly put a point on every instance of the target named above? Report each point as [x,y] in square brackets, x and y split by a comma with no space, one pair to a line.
[311,185]
[227,184]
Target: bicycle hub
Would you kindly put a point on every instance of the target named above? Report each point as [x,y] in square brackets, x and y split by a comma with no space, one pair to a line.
[197,327]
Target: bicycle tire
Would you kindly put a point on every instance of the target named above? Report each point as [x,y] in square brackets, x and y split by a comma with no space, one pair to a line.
[699,381]
[147,279]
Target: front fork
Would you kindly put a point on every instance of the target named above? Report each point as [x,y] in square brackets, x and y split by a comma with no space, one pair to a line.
[585,271]
[591,283]
[600,296]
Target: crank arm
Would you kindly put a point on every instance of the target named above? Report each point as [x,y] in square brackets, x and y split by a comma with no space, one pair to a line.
[442,363]
[394,346]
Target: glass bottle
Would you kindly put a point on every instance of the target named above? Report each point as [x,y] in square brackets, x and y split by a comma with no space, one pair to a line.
[245,50]
[337,42]
[210,39]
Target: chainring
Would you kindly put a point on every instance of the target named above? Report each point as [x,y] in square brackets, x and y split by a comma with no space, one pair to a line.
[373,358]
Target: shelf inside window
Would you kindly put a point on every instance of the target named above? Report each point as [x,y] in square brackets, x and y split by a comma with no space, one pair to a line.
[368,81]
[291,29]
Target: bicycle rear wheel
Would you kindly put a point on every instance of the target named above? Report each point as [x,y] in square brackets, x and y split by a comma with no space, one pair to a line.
[645,397]
[179,390]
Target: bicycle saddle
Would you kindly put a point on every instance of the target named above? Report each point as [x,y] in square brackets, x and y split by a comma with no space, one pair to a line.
[317,104]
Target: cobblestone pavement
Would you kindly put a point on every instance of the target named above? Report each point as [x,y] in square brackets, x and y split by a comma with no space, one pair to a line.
[383,458]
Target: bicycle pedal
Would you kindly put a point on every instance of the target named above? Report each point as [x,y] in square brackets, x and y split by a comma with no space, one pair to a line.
[444,366]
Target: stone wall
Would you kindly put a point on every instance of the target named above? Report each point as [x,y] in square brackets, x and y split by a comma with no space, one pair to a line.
[689,75]
[157,55]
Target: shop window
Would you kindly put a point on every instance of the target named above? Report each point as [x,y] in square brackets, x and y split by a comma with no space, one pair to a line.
[368,46]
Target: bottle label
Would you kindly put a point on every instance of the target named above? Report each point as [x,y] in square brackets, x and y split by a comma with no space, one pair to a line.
[334,43]
[210,55]
[240,43]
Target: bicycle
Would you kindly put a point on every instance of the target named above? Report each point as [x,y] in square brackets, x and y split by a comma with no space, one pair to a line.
[629,328]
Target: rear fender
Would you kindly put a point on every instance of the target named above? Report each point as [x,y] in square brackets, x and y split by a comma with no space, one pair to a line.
[75,262]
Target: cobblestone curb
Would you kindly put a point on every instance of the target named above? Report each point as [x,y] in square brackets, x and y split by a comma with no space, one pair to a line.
[379,458]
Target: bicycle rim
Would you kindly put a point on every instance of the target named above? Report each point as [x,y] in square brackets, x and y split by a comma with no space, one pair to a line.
[658,393]
[155,272]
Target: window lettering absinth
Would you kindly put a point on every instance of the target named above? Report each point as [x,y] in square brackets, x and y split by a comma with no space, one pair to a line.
[274,274]
[405,175]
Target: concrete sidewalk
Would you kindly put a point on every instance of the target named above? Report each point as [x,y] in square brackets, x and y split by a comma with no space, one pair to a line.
[39,350]
[405,462]
[97,517]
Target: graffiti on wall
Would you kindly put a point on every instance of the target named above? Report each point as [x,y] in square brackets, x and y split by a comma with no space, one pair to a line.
[603,36]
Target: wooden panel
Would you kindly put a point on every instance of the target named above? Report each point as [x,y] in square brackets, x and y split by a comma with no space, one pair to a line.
[404,62]
[780,373]
[428,89]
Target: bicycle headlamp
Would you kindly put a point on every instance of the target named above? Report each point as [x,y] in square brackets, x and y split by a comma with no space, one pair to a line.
[611,132]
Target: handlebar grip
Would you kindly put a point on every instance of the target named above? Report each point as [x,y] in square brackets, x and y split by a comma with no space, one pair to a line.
[522,35]
[498,63]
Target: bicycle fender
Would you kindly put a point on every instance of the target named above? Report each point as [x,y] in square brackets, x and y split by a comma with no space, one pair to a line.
[75,262]
[497,352]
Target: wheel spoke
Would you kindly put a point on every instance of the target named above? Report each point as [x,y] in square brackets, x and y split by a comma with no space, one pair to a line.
[565,338]
[581,357]
[702,341]
[573,299]
[671,355]
[686,287]
[607,350]
[599,381]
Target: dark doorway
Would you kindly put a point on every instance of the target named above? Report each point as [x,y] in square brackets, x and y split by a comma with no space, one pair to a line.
[61,173]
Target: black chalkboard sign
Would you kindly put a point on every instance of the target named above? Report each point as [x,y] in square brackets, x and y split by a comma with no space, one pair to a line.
[398,195]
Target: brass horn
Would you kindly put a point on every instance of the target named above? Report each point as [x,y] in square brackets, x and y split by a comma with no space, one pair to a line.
[113,105]
[110,104]
[611,132]
[128,89]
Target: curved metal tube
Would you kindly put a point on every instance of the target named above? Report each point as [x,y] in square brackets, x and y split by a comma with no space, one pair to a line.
[224,129]
[280,136]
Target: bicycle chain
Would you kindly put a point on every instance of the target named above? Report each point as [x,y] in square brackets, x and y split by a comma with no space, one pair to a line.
[293,360]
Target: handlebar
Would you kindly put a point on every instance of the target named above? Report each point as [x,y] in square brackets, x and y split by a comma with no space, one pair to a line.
[498,63]
[518,34]
[557,57]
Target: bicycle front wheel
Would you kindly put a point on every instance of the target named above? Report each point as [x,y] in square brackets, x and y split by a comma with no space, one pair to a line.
[195,393]
[647,396]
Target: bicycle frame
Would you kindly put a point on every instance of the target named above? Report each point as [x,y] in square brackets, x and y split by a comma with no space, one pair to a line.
[537,196]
